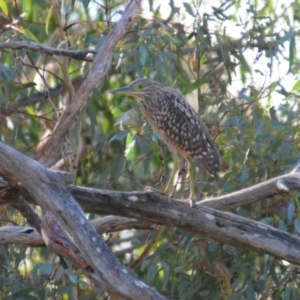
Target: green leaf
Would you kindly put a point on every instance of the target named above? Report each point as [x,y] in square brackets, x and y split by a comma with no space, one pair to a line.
[297,225]
[274,275]
[148,32]
[101,142]
[30,35]
[117,111]
[245,175]
[25,86]
[49,14]
[7,72]
[212,247]
[287,294]
[178,269]
[59,273]
[92,116]
[117,167]
[267,220]
[143,55]
[287,37]
[127,46]
[3,7]
[63,290]
[166,273]
[205,293]
[152,271]
[130,150]
[73,278]
[129,120]
[119,136]
[129,139]
[103,177]
[296,86]
[195,85]
[189,9]
[145,264]
[282,226]
[48,270]
[171,55]
[273,113]
[24,294]
[171,39]
[236,283]
[243,96]
[290,211]
[291,53]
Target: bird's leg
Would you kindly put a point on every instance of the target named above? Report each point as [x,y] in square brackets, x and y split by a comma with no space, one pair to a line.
[161,180]
[182,174]
[169,190]
[192,184]
[152,189]
[181,171]
[177,170]
[163,165]
[180,180]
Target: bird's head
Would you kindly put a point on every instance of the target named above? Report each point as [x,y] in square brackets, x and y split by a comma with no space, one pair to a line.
[139,88]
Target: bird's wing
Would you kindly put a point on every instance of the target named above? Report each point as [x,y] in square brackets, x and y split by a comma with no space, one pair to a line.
[183,128]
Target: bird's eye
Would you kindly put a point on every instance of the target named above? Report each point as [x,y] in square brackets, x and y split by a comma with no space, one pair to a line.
[140,86]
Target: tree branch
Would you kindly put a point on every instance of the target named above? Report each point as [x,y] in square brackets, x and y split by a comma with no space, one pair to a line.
[223,227]
[279,185]
[27,211]
[30,236]
[99,70]
[20,235]
[220,226]
[75,54]
[275,186]
[155,208]
[51,194]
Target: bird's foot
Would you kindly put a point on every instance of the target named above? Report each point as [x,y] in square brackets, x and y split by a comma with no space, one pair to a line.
[192,198]
[152,189]
[192,202]
[148,188]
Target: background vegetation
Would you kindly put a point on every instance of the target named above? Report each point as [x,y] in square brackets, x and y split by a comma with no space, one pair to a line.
[236,62]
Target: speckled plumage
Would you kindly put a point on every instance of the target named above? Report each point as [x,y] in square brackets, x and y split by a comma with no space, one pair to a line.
[175,121]
[178,125]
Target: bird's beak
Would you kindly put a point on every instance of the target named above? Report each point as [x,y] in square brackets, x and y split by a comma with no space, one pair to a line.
[126,90]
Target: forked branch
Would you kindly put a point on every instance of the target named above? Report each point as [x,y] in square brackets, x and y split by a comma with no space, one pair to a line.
[147,206]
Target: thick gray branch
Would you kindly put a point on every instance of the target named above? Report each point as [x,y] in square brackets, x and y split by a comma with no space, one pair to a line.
[75,54]
[221,226]
[155,208]
[228,228]
[29,236]
[27,211]
[269,188]
[20,236]
[47,190]
[99,70]
[272,187]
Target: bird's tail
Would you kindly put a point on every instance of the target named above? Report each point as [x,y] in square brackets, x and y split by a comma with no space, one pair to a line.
[212,162]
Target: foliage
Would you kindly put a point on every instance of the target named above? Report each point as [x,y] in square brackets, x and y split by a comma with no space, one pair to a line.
[245,82]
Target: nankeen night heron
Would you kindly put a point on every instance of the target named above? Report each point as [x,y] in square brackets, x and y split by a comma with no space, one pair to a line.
[178,125]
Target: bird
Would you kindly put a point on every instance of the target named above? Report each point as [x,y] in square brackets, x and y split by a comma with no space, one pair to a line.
[178,126]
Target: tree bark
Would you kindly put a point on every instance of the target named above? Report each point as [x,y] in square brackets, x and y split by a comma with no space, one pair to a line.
[150,207]
[47,189]
[30,236]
